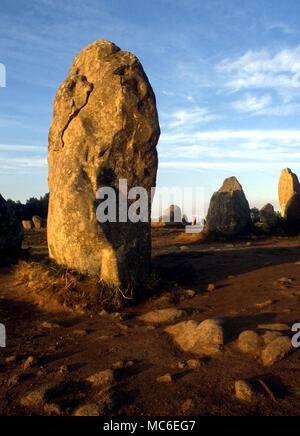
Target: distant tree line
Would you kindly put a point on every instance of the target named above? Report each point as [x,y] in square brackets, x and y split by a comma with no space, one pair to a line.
[33,206]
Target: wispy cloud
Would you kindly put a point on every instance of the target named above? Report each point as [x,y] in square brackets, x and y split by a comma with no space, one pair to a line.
[263,69]
[252,103]
[189,118]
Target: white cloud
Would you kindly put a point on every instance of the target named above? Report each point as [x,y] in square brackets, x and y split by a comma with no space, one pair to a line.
[252,103]
[188,118]
[263,69]
[21,148]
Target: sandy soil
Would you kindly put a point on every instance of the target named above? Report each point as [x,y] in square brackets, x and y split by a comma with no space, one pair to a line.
[244,275]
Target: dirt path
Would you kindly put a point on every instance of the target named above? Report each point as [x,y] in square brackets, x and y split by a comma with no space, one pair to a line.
[77,346]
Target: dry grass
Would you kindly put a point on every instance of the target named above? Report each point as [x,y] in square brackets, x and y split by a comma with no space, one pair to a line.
[54,284]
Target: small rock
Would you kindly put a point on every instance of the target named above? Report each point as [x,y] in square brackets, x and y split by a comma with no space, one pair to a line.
[103,313]
[109,400]
[184,248]
[80,332]
[118,365]
[50,325]
[102,378]
[270,336]
[129,364]
[30,362]
[249,342]
[264,304]
[277,350]
[189,293]
[64,370]
[211,287]
[274,327]
[10,359]
[244,391]
[87,410]
[181,365]
[167,378]
[194,363]
[202,339]
[162,316]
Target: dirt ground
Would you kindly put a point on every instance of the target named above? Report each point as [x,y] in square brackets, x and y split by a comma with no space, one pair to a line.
[244,274]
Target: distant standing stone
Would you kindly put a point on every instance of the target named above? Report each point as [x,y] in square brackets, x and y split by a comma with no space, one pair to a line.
[288,190]
[37,222]
[229,211]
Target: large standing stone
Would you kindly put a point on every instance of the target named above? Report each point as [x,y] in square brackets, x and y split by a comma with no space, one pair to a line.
[229,212]
[11,233]
[267,213]
[105,128]
[288,192]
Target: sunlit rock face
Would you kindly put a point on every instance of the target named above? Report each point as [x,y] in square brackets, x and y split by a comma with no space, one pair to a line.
[289,192]
[105,128]
[11,234]
[229,212]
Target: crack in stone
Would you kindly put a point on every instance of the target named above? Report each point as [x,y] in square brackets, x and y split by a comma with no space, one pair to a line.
[76,111]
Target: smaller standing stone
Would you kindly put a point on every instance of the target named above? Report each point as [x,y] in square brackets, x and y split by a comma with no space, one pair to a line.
[37,222]
[27,225]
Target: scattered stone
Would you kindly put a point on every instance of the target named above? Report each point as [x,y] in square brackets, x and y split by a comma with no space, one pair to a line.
[29,363]
[10,359]
[244,391]
[184,248]
[37,222]
[181,365]
[64,370]
[103,313]
[162,316]
[129,364]
[80,332]
[102,110]
[27,225]
[229,211]
[167,378]
[264,304]
[250,342]
[277,350]
[50,325]
[203,339]
[270,336]
[88,410]
[189,293]
[211,287]
[279,327]
[118,365]
[102,378]
[194,363]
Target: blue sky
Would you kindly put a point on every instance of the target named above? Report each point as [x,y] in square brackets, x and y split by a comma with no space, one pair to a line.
[226,75]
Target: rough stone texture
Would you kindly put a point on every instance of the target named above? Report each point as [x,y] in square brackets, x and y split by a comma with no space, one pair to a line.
[27,225]
[250,342]
[204,339]
[292,210]
[287,188]
[105,128]
[102,378]
[267,213]
[244,391]
[229,212]
[37,222]
[162,316]
[277,350]
[11,234]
